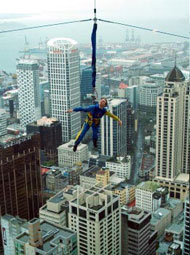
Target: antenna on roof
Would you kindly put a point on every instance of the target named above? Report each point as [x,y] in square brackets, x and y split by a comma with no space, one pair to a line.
[175,59]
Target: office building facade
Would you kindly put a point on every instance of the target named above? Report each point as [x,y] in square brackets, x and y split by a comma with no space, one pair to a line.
[113,138]
[28,91]
[137,237]
[50,137]
[95,216]
[20,179]
[64,79]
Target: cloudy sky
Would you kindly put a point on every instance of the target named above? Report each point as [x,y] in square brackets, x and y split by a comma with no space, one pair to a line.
[119,10]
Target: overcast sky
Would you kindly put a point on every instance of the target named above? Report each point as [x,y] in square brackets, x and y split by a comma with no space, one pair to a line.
[109,9]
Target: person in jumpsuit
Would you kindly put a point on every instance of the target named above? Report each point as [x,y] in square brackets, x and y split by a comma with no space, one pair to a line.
[94,114]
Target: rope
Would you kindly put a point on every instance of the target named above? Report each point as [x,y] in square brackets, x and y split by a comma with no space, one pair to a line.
[42,26]
[144,28]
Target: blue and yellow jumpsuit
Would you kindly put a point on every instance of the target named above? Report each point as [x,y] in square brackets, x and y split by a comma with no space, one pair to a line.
[95,113]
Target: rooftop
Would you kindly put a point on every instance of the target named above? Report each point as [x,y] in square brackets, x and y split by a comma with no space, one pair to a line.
[182,178]
[91,172]
[175,75]
[116,102]
[148,186]
[50,234]
[44,121]
[158,215]
[69,146]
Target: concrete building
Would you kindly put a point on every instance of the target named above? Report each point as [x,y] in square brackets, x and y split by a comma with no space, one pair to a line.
[137,237]
[50,137]
[178,187]
[11,227]
[130,193]
[88,178]
[176,230]
[10,102]
[145,198]
[95,216]
[64,79]
[175,206]
[45,238]
[120,165]
[28,91]
[160,220]
[103,176]
[55,180]
[113,139]
[173,123]
[148,97]
[186,238]
[120,190]
[3,122]
[66,156]
[57,207]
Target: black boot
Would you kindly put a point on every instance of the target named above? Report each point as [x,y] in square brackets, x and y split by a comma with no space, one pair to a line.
[95,143]
[75,147]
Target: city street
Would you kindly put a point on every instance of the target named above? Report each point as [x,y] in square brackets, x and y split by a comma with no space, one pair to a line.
[137,155]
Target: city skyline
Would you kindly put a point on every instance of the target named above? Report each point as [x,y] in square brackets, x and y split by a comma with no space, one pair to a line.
[125,190]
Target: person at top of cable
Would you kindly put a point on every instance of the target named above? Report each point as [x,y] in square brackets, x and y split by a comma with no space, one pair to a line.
[94,114]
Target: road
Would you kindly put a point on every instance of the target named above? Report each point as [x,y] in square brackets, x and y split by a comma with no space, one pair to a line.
[137,155]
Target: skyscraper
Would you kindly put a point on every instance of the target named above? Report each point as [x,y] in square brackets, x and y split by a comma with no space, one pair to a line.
[95,216]
[20,180]
[28,91]
[173,125]
[86,82]
[63,70]
[50,137]
[186,236]
[113,139]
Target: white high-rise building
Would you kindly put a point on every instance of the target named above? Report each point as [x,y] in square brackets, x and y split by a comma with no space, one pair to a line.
[113,140]
[3,122]
[186,236]
[28,91]
[95,216]
[64,79]
[173,125]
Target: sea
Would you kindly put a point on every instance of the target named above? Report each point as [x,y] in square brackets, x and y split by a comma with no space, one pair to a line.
[12,43]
